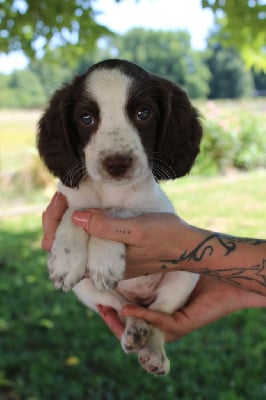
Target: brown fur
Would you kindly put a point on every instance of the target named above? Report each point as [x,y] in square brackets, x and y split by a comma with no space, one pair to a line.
[173,146]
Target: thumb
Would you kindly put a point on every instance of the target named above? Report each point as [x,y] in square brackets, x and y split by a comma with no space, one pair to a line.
[98,223]
[173,325]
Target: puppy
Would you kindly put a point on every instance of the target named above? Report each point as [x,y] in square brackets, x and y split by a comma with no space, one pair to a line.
[110,136]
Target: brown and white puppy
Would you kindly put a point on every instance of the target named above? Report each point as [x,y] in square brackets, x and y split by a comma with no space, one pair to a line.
[110,136]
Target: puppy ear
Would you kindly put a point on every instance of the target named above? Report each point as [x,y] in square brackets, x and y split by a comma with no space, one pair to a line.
[179,132]
[57,138]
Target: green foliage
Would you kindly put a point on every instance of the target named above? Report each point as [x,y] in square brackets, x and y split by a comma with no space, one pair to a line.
[40,27]
[243,27]
[37,27]
[231,139]
[51,74]
[260,82]
[229,77]
[22,89]
[166,53]
[251,146]
[217,73]
[52,347]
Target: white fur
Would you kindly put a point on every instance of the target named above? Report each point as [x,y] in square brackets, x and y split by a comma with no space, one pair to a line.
[74,253]
[115,134]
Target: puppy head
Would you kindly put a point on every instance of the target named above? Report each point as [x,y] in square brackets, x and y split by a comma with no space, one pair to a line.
[115,124]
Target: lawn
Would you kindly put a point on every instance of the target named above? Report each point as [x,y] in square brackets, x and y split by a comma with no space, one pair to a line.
[232,203]
[52,347]
[17,138]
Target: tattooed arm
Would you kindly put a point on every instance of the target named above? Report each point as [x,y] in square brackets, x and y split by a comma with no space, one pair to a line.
[239,261]
[164,242]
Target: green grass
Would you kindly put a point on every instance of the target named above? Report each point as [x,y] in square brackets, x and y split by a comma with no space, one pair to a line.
[17,138]
[53,348]
[234,203]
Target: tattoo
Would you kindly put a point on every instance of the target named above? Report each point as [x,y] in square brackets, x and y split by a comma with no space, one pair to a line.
[238,275]
[122,231]
[226,245]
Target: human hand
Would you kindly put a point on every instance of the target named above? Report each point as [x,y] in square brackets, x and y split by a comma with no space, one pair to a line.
[51,219]
[211,300]
[150,238]
[139,233]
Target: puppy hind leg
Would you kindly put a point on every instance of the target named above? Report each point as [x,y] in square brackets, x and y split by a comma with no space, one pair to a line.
[136,334]
[152,356]
[91,297]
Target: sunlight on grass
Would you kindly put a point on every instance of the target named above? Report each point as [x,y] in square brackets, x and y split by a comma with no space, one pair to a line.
[234,204]
[17,137]
[67,349]
[52,347]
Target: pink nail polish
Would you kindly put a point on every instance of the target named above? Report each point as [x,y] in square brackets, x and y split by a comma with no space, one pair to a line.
[81,219]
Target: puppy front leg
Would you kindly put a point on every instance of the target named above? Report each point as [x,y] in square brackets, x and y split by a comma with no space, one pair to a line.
[106,263]
[68,259]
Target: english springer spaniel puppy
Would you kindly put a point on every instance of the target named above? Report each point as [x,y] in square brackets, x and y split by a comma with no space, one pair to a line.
[110,136]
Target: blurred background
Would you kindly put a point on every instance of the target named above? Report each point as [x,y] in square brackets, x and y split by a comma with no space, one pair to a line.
[51,346]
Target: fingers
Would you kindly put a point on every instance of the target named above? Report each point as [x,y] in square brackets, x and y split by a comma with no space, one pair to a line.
[174,325]
[110,317]
[98,223]
[51,219]
[134,231]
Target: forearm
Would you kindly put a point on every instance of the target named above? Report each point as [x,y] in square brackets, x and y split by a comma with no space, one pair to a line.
[162,242]
[238,261]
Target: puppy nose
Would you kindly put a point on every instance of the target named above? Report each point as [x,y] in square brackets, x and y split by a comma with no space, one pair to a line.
[117,165]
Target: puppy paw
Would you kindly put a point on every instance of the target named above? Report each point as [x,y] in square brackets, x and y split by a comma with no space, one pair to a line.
[66,268]
[136,334]
[106,263]
[68,259]
[154,362]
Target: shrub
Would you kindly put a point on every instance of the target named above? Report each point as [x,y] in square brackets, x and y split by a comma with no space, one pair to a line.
[231,140]
[252,143]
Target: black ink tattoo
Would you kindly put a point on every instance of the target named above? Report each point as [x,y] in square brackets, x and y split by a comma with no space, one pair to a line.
[227,244]
[122,231]
[206,247]
[238,275]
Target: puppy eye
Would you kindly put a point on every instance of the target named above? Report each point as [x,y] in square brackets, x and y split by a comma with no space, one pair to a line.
[87,119]
[143,114]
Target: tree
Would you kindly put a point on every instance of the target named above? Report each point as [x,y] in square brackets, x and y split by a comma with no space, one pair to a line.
[51,75]
[229,76]
[21,89]
[260,82]
[165,53]
[38,27]
[243,26]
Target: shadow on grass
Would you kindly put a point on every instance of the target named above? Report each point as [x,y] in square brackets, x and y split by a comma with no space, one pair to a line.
[52,347]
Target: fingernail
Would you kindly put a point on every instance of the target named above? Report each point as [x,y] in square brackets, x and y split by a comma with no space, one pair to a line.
[81,218]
